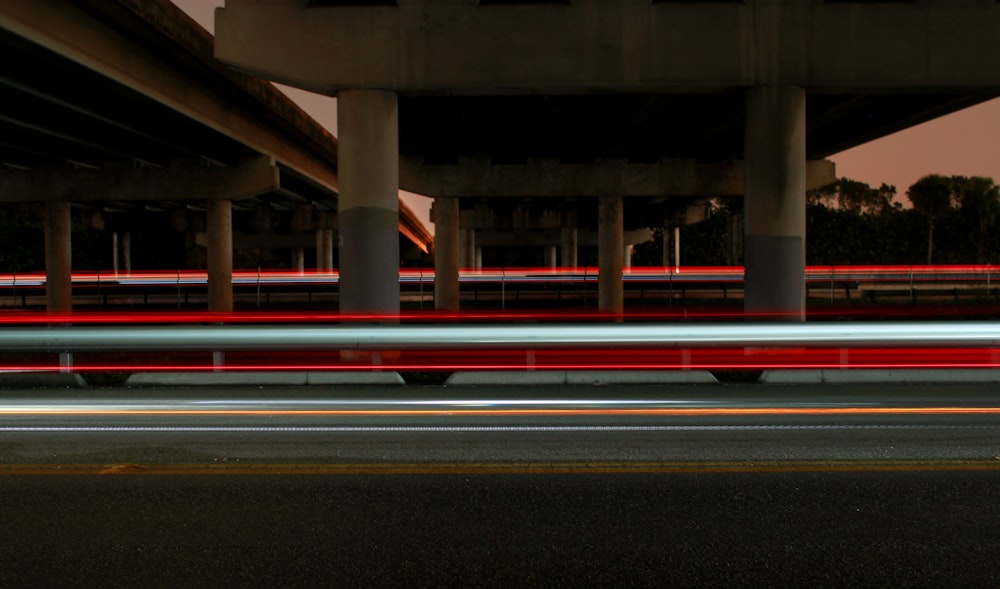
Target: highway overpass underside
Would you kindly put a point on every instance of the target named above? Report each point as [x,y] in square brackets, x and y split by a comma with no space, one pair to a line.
[119,112]
[604,92]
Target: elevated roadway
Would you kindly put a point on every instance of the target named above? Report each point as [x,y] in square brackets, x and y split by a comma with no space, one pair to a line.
[587,103]
[119,112]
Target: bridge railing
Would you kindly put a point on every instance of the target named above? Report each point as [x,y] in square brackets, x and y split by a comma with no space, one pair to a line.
[264,287]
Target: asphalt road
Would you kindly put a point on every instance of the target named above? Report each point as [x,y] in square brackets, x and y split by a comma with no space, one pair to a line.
[728,486]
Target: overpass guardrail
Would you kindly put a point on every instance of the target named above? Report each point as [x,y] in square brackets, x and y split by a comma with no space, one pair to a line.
[502,285]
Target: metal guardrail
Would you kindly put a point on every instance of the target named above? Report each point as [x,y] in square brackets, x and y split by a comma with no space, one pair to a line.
[225,338]
[987,274]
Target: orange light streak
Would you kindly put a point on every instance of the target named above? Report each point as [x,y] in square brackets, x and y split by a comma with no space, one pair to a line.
[480,412]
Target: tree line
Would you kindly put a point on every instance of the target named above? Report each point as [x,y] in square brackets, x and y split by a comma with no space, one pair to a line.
[951,220]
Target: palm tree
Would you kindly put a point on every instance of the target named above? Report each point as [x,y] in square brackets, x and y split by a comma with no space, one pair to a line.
[931,195]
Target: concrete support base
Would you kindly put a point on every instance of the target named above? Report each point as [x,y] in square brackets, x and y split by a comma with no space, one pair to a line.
[775,227]
[58,258]
[610,245]
[446,253]
[324,250]
[220,255]
[569,247]
[368,204]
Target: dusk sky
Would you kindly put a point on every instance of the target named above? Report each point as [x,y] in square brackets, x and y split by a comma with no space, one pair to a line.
[965,143]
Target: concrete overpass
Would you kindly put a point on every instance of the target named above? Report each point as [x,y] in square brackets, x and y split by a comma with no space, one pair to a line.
[467,98]
[119,110]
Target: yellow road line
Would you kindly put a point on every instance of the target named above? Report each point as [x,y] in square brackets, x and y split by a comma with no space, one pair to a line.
[461,468]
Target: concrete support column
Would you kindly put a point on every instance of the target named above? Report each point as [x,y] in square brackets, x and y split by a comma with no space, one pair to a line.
[446,254]
[299,259]
[610,244]
[368,203]
[126,247]
[677,246]
[220,255]
[551,257]
[479,258]
[469,249]
[324,250]
[627,256]
[58,258]
[121,251]
[569,247]
[665,243]
[775,201]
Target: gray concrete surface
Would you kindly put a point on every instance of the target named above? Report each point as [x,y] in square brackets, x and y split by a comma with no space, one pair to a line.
[853,376]
[263,378]
[581,377]
[41,380]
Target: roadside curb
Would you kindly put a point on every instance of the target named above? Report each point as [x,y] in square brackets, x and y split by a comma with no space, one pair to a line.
[580,377]
[42,380]
[263,378]
[874,376]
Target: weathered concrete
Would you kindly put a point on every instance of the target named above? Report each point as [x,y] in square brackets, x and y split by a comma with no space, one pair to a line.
[368,204]
[775,226]
[324,250]
[858,376]
[581,377]
[544,237]
[425,46]
[541,178]
[569,246]
[40,380]
[253,378]
[184,180]
[610,244]
[446,253]
[58,258]
[72,30]
[470,249]
[220,255]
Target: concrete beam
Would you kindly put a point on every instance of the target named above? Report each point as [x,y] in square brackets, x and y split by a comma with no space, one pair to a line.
[480,178]
[184,180]
[584,238]
[433,47]
[58,258]
[242,241]
[72,30]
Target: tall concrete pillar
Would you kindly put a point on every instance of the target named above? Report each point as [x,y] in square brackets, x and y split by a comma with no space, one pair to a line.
[569,247]
[468,255]
[121,251]
[220,255]
[551,257]
[446,254]
[114,251]
[299,259]
[610,244]
[665,250]
[324,250]
[775,201]
[627,256]
[58,258]
[126,247]
[368,203]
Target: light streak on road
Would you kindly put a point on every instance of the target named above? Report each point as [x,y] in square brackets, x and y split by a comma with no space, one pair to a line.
[139,410]
[494,468]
